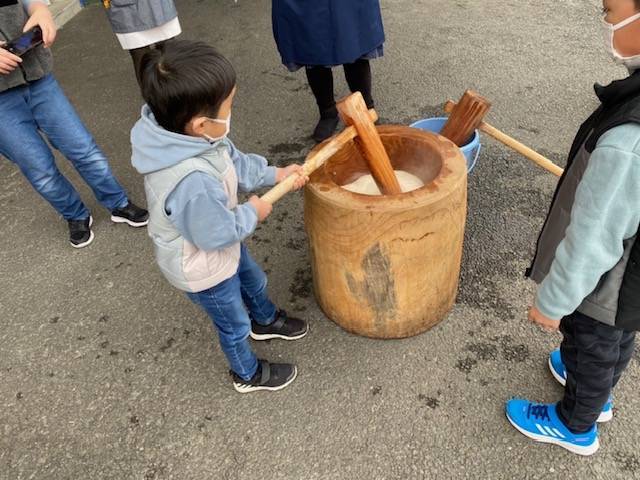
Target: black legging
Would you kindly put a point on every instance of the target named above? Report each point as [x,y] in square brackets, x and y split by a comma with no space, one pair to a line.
[138,53]
[358,76]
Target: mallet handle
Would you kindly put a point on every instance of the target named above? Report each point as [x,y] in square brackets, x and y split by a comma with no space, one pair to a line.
[315,160]
[514,144]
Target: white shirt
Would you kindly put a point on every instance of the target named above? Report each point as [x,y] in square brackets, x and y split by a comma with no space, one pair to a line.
[129,41]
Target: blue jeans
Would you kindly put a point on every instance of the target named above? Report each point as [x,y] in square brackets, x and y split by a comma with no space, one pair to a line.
[227,304]
[39,108]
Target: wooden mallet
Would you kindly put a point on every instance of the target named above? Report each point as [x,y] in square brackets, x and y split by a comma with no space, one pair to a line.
[535,157]
[465,117]
[315,160]
[353,111]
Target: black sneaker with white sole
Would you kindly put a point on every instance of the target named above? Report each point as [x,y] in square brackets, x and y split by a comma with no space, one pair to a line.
[283,327]
[80,234]
[269,377]
[130,214]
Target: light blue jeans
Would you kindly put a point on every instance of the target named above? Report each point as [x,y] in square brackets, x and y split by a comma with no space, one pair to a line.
[41,108]
[227,304]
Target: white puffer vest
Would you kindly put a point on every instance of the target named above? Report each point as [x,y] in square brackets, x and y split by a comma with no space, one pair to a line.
[183,264]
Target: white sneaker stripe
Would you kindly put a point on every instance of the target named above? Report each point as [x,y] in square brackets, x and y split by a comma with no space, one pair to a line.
[550,431]
[558,433]
[542,430]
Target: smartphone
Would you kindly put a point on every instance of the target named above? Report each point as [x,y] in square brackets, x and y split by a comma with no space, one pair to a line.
[25,42]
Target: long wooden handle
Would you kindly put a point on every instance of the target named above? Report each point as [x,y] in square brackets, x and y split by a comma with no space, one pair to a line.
[315,160]
[512,143]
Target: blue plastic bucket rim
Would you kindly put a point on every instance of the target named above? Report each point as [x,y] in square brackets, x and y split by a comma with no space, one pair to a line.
[435,125]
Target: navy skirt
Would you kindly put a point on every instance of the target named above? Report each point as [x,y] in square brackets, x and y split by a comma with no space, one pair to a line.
[327,32]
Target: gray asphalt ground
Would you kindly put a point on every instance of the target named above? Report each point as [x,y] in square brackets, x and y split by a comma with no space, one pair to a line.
[107,372]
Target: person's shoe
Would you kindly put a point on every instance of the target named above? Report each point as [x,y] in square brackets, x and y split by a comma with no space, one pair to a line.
[269,376]
[130,214]
[540,422]
[80,234]
[326,127]
[556,365]
[283,327]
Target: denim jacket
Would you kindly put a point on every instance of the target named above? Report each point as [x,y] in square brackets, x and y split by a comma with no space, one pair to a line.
[129,16]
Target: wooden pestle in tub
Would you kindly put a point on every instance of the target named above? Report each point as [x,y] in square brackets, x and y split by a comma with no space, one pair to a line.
[465,117]
[353,112]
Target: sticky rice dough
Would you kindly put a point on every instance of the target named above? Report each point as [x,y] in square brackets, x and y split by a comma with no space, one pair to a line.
[367,185]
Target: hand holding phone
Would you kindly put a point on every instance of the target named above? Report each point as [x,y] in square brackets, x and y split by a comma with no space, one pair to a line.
[40,16]
[8,61]
[25,42]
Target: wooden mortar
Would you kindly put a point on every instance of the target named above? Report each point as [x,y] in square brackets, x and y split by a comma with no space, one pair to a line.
[388,266]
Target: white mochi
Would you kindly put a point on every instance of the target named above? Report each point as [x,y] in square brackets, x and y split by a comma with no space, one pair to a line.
[367,185]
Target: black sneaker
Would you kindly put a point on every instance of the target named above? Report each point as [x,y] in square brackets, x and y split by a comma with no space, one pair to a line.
[131,215]
[80,234]
[283,327]
[269,376]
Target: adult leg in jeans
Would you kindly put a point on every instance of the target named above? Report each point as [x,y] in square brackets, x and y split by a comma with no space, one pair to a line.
[56,117]
[223,303]
[22,144]
[253,284]
[358,76]
[590,351]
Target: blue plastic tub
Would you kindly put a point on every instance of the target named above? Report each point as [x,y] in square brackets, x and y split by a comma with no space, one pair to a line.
[471,150]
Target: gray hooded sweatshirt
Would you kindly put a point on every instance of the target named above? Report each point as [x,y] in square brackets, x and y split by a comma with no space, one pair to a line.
[191,185]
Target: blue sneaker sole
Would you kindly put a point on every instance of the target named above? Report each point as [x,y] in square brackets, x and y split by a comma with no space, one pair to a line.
[604,416]
[584,451]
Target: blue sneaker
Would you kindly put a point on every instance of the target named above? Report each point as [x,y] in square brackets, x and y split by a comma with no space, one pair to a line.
[540,422]
[558,371]
[556,365]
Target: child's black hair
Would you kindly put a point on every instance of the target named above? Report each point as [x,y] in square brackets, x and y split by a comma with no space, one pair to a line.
[184,79]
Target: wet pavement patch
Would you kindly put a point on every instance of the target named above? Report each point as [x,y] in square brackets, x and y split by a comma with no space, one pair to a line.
[427,401]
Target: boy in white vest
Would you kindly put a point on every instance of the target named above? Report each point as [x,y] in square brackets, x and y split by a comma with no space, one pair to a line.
[192,173]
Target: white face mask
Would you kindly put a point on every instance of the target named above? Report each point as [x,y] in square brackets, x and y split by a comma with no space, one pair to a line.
[633,62]
[226,122]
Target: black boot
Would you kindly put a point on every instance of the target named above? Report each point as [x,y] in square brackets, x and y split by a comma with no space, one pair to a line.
[321,82]
[326,125]
[358,76]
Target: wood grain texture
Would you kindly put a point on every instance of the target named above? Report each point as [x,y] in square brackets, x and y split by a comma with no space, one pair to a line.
[388,266]
[465,118]
[315,160]
[353,112]
[514,144]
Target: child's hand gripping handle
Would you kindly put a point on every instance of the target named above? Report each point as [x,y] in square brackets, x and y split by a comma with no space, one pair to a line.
[315,160]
